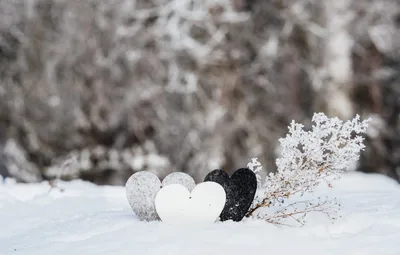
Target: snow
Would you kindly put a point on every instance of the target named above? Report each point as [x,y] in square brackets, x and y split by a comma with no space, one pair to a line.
[89,219]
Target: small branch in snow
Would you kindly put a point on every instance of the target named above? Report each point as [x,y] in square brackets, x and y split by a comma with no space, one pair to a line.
[308,159]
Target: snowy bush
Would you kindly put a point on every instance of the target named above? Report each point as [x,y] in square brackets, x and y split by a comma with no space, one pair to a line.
[309,158]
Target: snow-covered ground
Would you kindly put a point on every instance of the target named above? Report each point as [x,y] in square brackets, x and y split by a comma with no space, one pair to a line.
[88,219]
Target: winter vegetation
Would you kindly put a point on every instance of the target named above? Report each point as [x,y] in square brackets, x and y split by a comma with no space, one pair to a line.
[308,158]
[115,87]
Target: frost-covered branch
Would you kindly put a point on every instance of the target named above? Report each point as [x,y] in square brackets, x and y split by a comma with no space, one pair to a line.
[308,159]
[256,167]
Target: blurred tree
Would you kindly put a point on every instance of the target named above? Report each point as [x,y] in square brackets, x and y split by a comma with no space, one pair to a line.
[190,85]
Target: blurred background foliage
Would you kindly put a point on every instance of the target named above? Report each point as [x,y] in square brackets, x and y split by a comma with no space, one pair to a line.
[100,89]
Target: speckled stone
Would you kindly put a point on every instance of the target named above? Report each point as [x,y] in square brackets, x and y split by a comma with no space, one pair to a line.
[141,191]
[240,190]
[179,178]
[142,188]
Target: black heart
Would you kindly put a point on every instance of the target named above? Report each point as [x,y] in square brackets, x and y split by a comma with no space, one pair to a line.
[240,190]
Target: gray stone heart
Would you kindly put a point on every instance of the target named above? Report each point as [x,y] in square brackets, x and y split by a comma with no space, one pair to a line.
[179,178]
[142,188]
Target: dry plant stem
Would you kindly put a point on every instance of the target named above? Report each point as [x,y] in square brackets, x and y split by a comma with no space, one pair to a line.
[268,201]
[282,214]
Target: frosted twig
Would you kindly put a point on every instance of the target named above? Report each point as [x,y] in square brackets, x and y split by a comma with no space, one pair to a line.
[308,159]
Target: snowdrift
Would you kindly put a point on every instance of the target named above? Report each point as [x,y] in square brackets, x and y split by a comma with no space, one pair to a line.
[89,219]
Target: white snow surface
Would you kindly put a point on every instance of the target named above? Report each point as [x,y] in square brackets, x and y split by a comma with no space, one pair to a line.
[89,219]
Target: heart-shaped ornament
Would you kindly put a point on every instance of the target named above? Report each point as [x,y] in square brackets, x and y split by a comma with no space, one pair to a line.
[142,187]
[179,178]
[175,204]
[240,190]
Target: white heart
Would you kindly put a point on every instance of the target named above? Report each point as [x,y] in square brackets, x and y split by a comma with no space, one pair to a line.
[175,204]
[142,188]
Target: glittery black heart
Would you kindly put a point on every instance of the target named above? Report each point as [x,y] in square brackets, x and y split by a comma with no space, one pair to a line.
[240,190]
